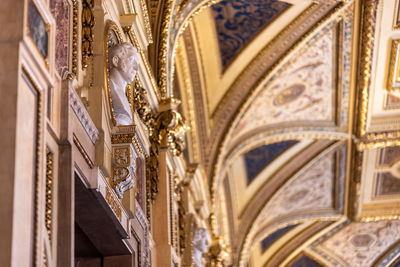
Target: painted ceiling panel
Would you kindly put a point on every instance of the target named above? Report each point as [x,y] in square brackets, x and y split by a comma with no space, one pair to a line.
[302,90]
[305,261]
[312,189]
[359,244]
[269,240]
[239,21]
[259,158]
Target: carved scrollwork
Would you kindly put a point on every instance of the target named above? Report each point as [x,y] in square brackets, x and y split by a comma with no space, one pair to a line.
[142,107]
[171,127]
[217,252]
[124,168]
[87,31]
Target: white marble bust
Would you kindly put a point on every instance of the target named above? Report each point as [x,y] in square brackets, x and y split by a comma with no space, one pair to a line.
[200,244]
[123,64]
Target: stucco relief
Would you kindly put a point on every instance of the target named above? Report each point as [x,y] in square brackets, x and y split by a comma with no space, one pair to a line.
[360,244]
[302,90]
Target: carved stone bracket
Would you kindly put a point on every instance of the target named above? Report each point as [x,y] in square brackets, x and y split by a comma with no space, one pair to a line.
[171,126]
[123,163]
[217,252]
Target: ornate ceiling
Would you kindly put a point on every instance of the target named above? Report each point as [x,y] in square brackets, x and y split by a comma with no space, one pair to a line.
[294,110]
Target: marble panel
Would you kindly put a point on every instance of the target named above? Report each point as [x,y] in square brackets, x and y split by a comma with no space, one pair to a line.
[60,10]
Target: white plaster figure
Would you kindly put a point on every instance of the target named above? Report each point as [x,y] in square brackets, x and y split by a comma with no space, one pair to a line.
[123,63]
[200,244]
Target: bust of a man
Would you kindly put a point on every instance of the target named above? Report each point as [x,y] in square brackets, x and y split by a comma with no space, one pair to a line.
[122,67]
[200,244]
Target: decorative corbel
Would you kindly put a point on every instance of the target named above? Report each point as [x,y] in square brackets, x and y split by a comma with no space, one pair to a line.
[217,252]
[171,126]
[123,159]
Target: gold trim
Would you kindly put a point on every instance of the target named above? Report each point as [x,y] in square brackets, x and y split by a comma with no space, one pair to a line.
[366,53]
[365,145]
[75,30]
[39,132]
[146,20]
[113,204]
[184,79]
[163,48]
[83,152]
[48,216]
[393,80]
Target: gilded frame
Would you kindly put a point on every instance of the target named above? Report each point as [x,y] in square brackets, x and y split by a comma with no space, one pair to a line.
[393,80]
[46,58]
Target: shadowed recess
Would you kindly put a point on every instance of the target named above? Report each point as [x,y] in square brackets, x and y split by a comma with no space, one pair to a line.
[238,21]
[397,263]
[305,261]
[259,158]
[267,242]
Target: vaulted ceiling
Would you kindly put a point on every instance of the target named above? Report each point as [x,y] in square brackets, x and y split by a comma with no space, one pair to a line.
[294,111]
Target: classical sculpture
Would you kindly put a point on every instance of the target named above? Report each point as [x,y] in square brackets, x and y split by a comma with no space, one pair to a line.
[122,66]
[200,244]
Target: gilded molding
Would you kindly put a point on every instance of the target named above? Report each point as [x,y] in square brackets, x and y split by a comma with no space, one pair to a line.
[39,135]
[187,98]
[146,21]
[83,152]
[170,33]
[163,48]
[121,138]
[368,22]
[75,30]
[87,31]
[393,80]
[49,194]
[113,204]
[361,146]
